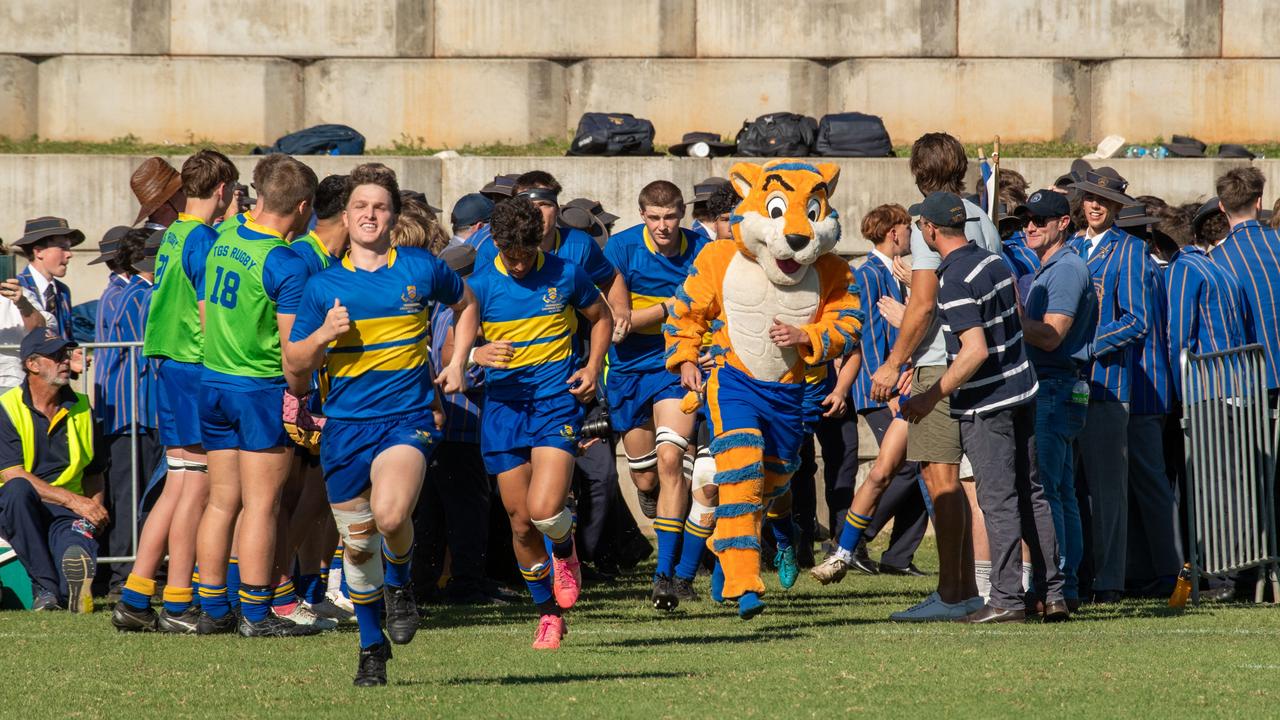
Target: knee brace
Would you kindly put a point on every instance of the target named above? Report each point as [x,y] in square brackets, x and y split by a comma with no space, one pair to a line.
[702,514]
[193,466]
[362,565]
[670,437]
[177,464]
[687,468]
[704,469]
[557,527]
[648,461]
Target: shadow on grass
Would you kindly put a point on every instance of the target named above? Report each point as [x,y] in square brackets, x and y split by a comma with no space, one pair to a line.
[763,634]
[548,679]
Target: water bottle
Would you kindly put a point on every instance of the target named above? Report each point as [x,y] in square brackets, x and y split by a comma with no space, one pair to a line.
[1159,153]
[1080,393]
[1135,151]
[1182,589]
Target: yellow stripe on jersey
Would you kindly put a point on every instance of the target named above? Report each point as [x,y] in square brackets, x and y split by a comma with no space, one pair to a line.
[399,357]
[537,340]
[642,302]
[376,331]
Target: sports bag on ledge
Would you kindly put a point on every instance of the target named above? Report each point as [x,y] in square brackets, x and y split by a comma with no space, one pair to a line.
[611,134]
[853,134]
[781,134]
[318,140]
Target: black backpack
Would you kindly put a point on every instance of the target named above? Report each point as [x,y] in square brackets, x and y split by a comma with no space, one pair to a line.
[612,134]
[318,140]
[853,134]
[780,134]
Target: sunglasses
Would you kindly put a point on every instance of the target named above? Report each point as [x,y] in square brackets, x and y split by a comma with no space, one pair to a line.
[61,355]
[1039,221]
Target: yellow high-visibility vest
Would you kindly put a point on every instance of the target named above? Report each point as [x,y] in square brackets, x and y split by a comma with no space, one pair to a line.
[79,437]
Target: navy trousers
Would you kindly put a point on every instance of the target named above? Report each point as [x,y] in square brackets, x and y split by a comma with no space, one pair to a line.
[40,533]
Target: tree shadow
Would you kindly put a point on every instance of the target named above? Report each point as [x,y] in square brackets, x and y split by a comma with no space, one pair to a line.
[763,634]
[548,679]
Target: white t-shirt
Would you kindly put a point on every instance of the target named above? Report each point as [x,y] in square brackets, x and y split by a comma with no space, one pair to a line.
[11,333]
[932,350]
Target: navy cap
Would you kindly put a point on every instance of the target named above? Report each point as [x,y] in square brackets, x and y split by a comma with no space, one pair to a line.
[43,341]
[1046,204]
[461,258]
[943,209]
[471,209]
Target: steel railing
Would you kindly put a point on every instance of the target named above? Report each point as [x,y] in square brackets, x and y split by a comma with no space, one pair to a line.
[1231,440]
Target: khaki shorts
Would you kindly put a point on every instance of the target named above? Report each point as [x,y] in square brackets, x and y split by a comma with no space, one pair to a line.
[936,438]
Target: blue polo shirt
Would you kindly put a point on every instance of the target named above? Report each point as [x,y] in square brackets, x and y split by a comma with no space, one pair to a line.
[1062,286]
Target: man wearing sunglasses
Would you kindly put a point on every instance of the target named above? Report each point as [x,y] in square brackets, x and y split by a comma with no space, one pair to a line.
[51,490]
[1058,316]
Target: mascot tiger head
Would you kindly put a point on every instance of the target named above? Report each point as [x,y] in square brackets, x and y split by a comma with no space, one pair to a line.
[785,221]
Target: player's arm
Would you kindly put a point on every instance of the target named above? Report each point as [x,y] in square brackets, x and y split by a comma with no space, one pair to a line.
[1046,334]
[582,384]
[651,316]
[619,296]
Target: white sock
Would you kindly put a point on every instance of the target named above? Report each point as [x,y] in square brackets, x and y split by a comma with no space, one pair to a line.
[982,576]
[1026,577]
[843,554]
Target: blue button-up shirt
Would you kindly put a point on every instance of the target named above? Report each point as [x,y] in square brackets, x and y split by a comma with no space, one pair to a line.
[1149,371]
[128,325]
[1118,269]
[876,280]
[1022,261]
[1206,309]
[103,358]
[1251,253]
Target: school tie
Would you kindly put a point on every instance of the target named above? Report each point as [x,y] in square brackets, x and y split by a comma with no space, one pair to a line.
[51,299]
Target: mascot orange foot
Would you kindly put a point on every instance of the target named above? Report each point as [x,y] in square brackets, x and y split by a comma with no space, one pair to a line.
[775,299]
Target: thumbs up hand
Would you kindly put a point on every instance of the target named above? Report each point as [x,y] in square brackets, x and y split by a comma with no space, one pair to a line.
[336,322]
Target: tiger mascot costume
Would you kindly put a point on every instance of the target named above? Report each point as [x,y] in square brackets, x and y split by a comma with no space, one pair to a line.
[775,300]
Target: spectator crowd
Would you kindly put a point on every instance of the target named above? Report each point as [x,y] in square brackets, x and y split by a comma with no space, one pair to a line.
[329,402]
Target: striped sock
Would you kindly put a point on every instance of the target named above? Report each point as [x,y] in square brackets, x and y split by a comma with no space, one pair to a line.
[368,612]
[784,530]
[669,531]
[851,533]
[255,602]
[397,567]
[213,601]
[177,599]
[311,587]
[137,592]
[538,578]
[233,582]
[284,598]
[691,547]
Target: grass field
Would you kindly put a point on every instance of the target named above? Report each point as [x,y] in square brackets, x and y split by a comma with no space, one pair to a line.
[816,652]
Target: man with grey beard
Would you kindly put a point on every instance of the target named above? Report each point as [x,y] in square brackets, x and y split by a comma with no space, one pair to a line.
[51,488]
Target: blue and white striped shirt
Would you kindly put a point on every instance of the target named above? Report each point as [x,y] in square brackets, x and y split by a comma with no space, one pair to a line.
[878,336]
[1149,371]
[976,290]
[1118,271]
[103,358]
[128,325]
[1251,253]
[1206,309]
[1020,258]
[461,410]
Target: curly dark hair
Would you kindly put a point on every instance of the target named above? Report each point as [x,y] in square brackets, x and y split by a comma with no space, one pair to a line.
[331,196]
[516,223]
[132,248]
[723,200]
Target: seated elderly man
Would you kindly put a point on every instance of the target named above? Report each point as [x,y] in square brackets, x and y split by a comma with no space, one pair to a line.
[50,480]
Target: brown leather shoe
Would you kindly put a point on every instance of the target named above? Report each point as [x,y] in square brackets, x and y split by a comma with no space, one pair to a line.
[1056,611]
[993,614]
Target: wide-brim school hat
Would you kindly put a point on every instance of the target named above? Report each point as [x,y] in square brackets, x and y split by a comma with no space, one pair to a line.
[43,228]
[1184,146]
[147,263]
[1105,182]
[702,144]
[1233,150]
[110,244]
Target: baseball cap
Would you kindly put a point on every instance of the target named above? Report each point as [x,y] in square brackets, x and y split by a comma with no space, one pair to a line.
[43,341]
[471,209]
[1046,204]
[943,209]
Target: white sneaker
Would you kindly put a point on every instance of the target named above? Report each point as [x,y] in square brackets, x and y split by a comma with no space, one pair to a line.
[933,609]
[328,609]
[303,615]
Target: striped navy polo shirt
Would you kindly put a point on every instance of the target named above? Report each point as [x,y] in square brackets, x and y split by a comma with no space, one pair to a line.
[975,289]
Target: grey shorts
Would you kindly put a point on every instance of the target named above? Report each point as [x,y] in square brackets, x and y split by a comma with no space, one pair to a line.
[936,438]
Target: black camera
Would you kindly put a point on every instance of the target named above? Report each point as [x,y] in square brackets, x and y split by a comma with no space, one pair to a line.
[597,423]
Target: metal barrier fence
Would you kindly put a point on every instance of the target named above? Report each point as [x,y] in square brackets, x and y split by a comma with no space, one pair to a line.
[134,348]
[1231,460]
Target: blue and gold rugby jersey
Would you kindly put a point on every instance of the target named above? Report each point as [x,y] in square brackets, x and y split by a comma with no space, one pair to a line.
[652,278]
[570,244]
[379,367]
[538,314]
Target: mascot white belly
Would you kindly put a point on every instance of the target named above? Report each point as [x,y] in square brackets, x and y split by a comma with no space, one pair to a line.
[751,302]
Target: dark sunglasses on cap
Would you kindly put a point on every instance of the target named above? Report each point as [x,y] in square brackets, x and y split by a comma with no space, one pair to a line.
[1040,220]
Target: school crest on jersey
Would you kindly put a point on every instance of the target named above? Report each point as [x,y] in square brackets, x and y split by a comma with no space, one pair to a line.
[409,298]
[551,301]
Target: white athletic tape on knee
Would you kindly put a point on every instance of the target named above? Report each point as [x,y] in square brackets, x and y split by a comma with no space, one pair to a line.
[702,514]
[671,437]
[558,527]
[362,561]
[644,462]
[704,471]
[176,464]
[687,468]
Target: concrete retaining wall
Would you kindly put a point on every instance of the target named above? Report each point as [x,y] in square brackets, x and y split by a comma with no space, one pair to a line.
[302,28]
[1091,29]
[1248,29]
[59,27]
[92,191]
[19,97]
[98,98]
[564,28]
